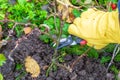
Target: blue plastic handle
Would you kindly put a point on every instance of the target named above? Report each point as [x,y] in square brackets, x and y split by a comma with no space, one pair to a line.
[118,6]
[119,10]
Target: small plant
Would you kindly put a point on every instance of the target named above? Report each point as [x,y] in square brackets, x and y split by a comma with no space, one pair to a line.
[20,75]
[24,11]
[105,59]
[2,59]
[1,76]
[114,69]
[19,66]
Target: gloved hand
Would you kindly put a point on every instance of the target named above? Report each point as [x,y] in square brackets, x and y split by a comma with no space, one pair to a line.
[97,27]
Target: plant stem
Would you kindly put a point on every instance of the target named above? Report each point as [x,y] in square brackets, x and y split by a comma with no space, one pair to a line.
[55,53]
[48,70]
[115,52]
[58,40]
[55,11]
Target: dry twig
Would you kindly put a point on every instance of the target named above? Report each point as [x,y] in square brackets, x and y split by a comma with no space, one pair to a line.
[81,56]
[68,5]
[64,66]
[115,52]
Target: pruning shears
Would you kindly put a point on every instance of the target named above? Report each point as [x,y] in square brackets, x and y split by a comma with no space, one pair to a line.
[70,40]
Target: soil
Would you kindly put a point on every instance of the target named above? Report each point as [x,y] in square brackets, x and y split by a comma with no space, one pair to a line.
[31,45]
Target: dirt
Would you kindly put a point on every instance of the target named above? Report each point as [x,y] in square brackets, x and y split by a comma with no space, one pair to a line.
[31,45]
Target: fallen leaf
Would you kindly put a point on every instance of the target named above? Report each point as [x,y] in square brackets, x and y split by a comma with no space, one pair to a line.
[32,66]
[0,32]
[70,18]
[65,9]
[27,30]
[45,67]
[1,42]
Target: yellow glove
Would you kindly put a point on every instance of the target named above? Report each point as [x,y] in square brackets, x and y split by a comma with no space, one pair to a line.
[97,27]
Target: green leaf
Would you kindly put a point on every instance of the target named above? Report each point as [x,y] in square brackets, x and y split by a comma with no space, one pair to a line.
[53,32]
[4,6]
[93,53]
[54,68]
[76,12]
[114,69]
[58,22]
[21,2]
[44,38]
[2,16]
[74,2]
[75,49]
[19,66]
[109,48]
[61,59]
[101,1]
[114,1]
[65,28]
[50,22]
[2,59]
[19,30]
[31,14]
[117,58]
[20,75]
[1,76]
[105,59]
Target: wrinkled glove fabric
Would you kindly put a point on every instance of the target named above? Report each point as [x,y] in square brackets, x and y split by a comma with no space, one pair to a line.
[97,27]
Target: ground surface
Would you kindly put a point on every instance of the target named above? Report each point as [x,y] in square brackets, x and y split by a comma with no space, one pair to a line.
[30,45]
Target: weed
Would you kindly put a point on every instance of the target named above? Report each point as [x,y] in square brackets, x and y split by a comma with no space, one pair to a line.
[2,59]
[1,76]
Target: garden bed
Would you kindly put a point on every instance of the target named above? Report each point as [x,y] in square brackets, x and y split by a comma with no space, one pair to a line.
[30,45]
